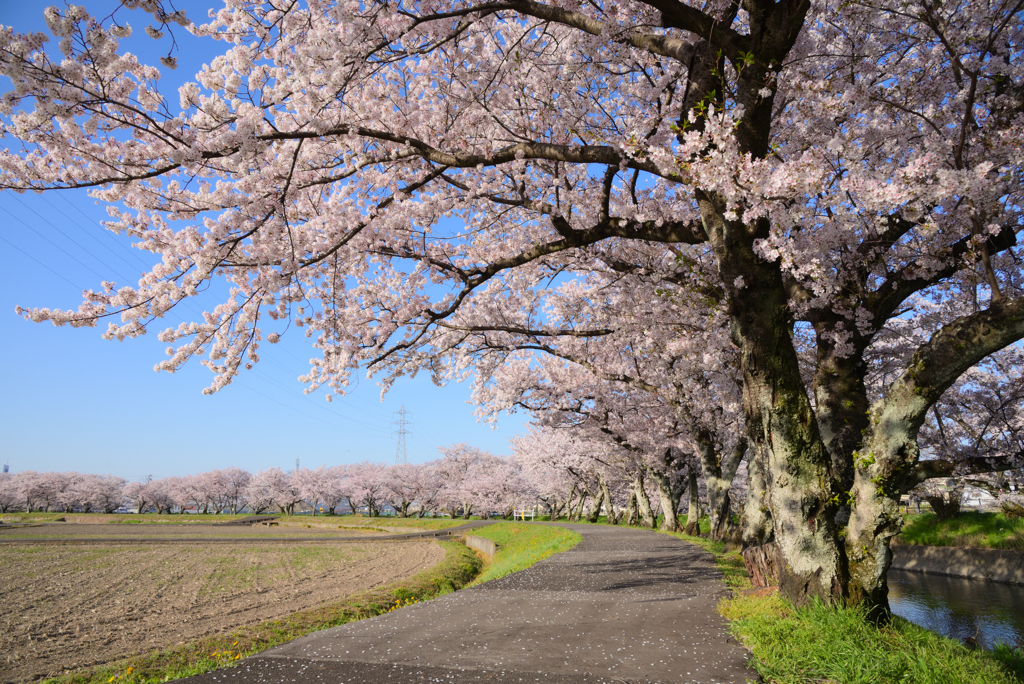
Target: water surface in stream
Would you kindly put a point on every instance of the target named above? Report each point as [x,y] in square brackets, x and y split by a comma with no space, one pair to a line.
[992,612]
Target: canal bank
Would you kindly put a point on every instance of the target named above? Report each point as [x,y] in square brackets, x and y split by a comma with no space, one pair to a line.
[992,565]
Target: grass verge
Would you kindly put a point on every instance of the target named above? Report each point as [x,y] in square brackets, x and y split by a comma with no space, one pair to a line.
[820,644]
[379,522]
[520,545]
[457,570]
[979,529]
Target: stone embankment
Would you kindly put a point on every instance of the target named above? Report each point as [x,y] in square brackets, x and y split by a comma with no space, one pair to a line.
[995,565]
[481,544]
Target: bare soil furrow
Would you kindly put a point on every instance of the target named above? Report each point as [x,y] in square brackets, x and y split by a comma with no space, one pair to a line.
[64,607]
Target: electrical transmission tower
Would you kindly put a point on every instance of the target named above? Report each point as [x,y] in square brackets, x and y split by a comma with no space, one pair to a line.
[401,454]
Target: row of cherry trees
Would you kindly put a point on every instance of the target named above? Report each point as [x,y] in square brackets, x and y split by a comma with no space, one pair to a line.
[464,479]
[681,234]
[559,472]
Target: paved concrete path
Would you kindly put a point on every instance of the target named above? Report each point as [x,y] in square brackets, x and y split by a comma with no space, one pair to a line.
[624,605]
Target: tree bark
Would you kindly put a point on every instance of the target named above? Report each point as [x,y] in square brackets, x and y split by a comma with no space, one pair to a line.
[778,412]
[669,502]
[890,453]
[643,503]
[762,565]
[576,513]
[756,523]
[947,504]
[718,477]
[693,509]
[606,497]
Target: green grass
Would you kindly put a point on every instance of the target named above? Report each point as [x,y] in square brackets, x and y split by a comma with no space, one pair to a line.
[29,517]
[978,529]
[458,568]
[826,644]
[379,522]
[520,545]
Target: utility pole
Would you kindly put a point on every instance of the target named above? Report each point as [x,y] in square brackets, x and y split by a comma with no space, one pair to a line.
[296,464]
[401,453]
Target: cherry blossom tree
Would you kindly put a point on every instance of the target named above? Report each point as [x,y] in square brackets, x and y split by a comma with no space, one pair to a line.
[138,493]
[159,493]
[367,484]
[274,487]
[315,487]
[262,490]
[10,496]
[841,165]
[233,484]
[104,493]
[407,484]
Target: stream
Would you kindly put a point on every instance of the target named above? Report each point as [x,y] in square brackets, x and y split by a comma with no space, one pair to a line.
[992,612]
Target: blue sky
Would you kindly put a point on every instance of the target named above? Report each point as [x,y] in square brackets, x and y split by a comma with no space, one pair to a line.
[72,401]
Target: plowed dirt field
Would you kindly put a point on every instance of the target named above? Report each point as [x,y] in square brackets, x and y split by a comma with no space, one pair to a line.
[68,605]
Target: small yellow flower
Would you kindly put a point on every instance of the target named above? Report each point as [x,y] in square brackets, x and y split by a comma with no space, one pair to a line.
[238,656]
[235,644]
[111,679]
[129,670]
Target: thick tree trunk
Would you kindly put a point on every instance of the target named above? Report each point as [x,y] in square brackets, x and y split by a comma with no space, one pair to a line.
[778,412]
[693,509]
[557,511]
[946,505]
[576,513]
[669,502]
[756,523]
[595,504]
[762,565]
[606,497]
[886,463]
[718,477]
[643,503]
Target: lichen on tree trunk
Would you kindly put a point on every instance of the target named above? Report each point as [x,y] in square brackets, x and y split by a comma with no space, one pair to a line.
[669,502]
[693,508]
[643,503]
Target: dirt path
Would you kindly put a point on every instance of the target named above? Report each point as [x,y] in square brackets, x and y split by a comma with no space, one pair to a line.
[67,606]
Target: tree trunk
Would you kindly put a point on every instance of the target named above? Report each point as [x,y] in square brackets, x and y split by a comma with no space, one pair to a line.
[756,523]
[762,565]
[946,505]
[669,502]
[693,510]
[643,503]
[606,496]
[884,466]
[576,514]
[718,476]
[632,514]
[801,494]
